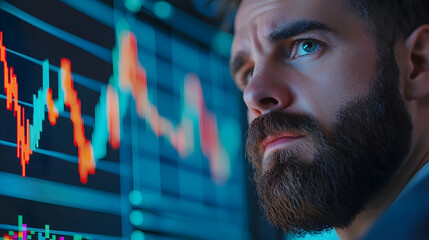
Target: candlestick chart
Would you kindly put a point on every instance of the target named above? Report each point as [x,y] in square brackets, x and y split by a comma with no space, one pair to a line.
[115,125]
[133,79]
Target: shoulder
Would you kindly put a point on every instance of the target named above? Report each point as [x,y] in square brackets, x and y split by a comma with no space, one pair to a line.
[407,217]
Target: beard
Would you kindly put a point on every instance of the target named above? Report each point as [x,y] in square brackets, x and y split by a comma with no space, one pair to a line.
[350,165]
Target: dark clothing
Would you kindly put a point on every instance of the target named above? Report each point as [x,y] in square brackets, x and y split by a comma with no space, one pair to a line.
[408,216]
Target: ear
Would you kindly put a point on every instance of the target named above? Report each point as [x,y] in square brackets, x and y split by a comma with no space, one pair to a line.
[417,82]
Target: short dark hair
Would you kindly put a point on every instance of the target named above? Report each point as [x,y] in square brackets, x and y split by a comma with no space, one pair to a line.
[391,20]
[388,20]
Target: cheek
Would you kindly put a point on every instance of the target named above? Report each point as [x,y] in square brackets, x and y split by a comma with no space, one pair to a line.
[330,83]
[347,75]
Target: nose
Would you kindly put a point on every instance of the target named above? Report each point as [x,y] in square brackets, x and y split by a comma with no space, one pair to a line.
[267,91]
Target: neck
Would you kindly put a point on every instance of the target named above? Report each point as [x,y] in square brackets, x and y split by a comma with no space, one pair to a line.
[376,208]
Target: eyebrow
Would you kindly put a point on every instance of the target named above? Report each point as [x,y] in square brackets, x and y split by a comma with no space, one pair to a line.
[296,28]
[278,34]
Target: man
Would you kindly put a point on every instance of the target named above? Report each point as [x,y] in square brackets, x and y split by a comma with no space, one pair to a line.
[338,106]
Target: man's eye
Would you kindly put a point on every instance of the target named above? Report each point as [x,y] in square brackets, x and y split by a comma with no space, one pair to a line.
[305,47]
[245,78]
[248,76]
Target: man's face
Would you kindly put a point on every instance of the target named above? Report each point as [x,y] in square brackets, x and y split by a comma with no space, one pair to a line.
[328,127]
[303,56]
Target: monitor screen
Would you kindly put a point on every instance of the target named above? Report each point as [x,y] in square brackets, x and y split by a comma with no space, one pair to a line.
[119,121]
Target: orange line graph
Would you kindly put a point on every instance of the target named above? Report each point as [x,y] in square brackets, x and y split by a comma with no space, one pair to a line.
[22,124]
[130,80]
[85,151]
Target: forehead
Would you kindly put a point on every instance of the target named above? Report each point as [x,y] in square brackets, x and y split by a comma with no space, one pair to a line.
[257,18]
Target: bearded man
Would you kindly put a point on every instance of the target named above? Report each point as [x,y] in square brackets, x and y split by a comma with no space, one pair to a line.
[338,107]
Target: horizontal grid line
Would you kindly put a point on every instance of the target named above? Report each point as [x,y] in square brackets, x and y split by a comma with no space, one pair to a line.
[40,190]
[105,166]
[87,120]
[77,78]
[90,47]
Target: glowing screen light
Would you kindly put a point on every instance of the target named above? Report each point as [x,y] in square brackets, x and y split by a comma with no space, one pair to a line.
[163,9]
[133,5]
[132,78]
[112,125]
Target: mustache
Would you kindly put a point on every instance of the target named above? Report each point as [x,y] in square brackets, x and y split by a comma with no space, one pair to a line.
[277,123]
